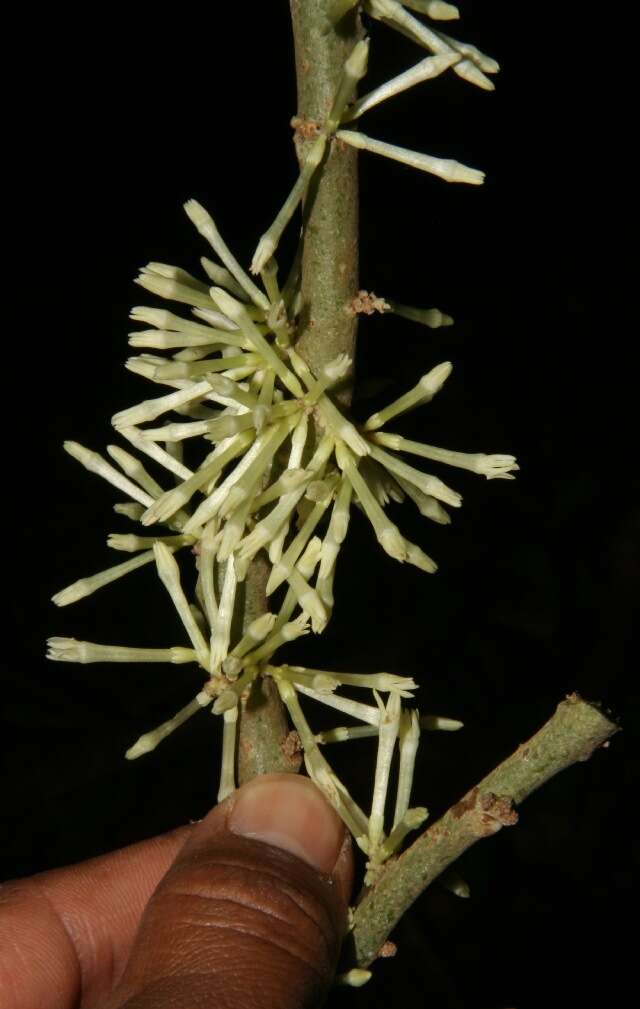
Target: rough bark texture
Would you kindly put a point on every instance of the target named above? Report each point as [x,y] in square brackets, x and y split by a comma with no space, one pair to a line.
[571,735]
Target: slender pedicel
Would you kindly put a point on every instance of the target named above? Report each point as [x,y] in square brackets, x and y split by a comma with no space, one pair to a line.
[434,9]
[94,462]
[259,456]
[269,241]
[318,768]
[233,391]
[444,168]
[129,543]
[283,568]
[493,467]
[387,533]
[208,366]
[425,503]
[235,523]
[345,733]
[150,740]
[337,531]
[162,319]
[408,744]
[174,273]
[356,709]
[428,484]
[206,562]
[394,15]
[135,470]
[221,277]
[258,630]
[158,339]
[480,59]
[425,70]
[433,722]
[172,290]
[298,444]
[306,566]
[227,767]
[290,480]
[289,632]
[87,586]
[236,311]
[153,408]
[353,70]
[431,317]
[221,629]
[170,577]
[205,225]
[385,682]
[309,601]
[154,451]
[269,527]
[174,499]
[428,386]
[387,735]
[70,650]
[331,373]
[411,820]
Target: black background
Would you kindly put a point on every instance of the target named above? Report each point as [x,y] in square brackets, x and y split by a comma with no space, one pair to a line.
[126,119]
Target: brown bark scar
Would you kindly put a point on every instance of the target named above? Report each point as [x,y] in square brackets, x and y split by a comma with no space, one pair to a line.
[304,129]
[497,811]
[387,949]
[466,804]
[291,744]
[366,303]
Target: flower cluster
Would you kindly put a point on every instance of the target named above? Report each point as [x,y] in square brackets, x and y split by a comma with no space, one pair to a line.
[275,466]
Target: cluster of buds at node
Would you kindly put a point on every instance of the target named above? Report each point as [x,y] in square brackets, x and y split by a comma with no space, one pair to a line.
[395,727]
[273,466]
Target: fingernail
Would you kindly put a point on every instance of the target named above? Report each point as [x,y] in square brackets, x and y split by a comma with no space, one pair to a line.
[289,812]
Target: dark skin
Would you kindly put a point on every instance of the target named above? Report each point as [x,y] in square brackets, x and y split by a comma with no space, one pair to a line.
[207,915]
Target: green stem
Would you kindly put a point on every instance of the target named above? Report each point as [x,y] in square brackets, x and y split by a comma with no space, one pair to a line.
[263,729]
[571,735]
[325,327]
[330,252]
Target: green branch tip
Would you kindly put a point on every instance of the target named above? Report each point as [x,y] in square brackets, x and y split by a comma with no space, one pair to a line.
[572,734]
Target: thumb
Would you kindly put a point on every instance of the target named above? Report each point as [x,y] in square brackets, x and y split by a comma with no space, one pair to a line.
[252,912]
